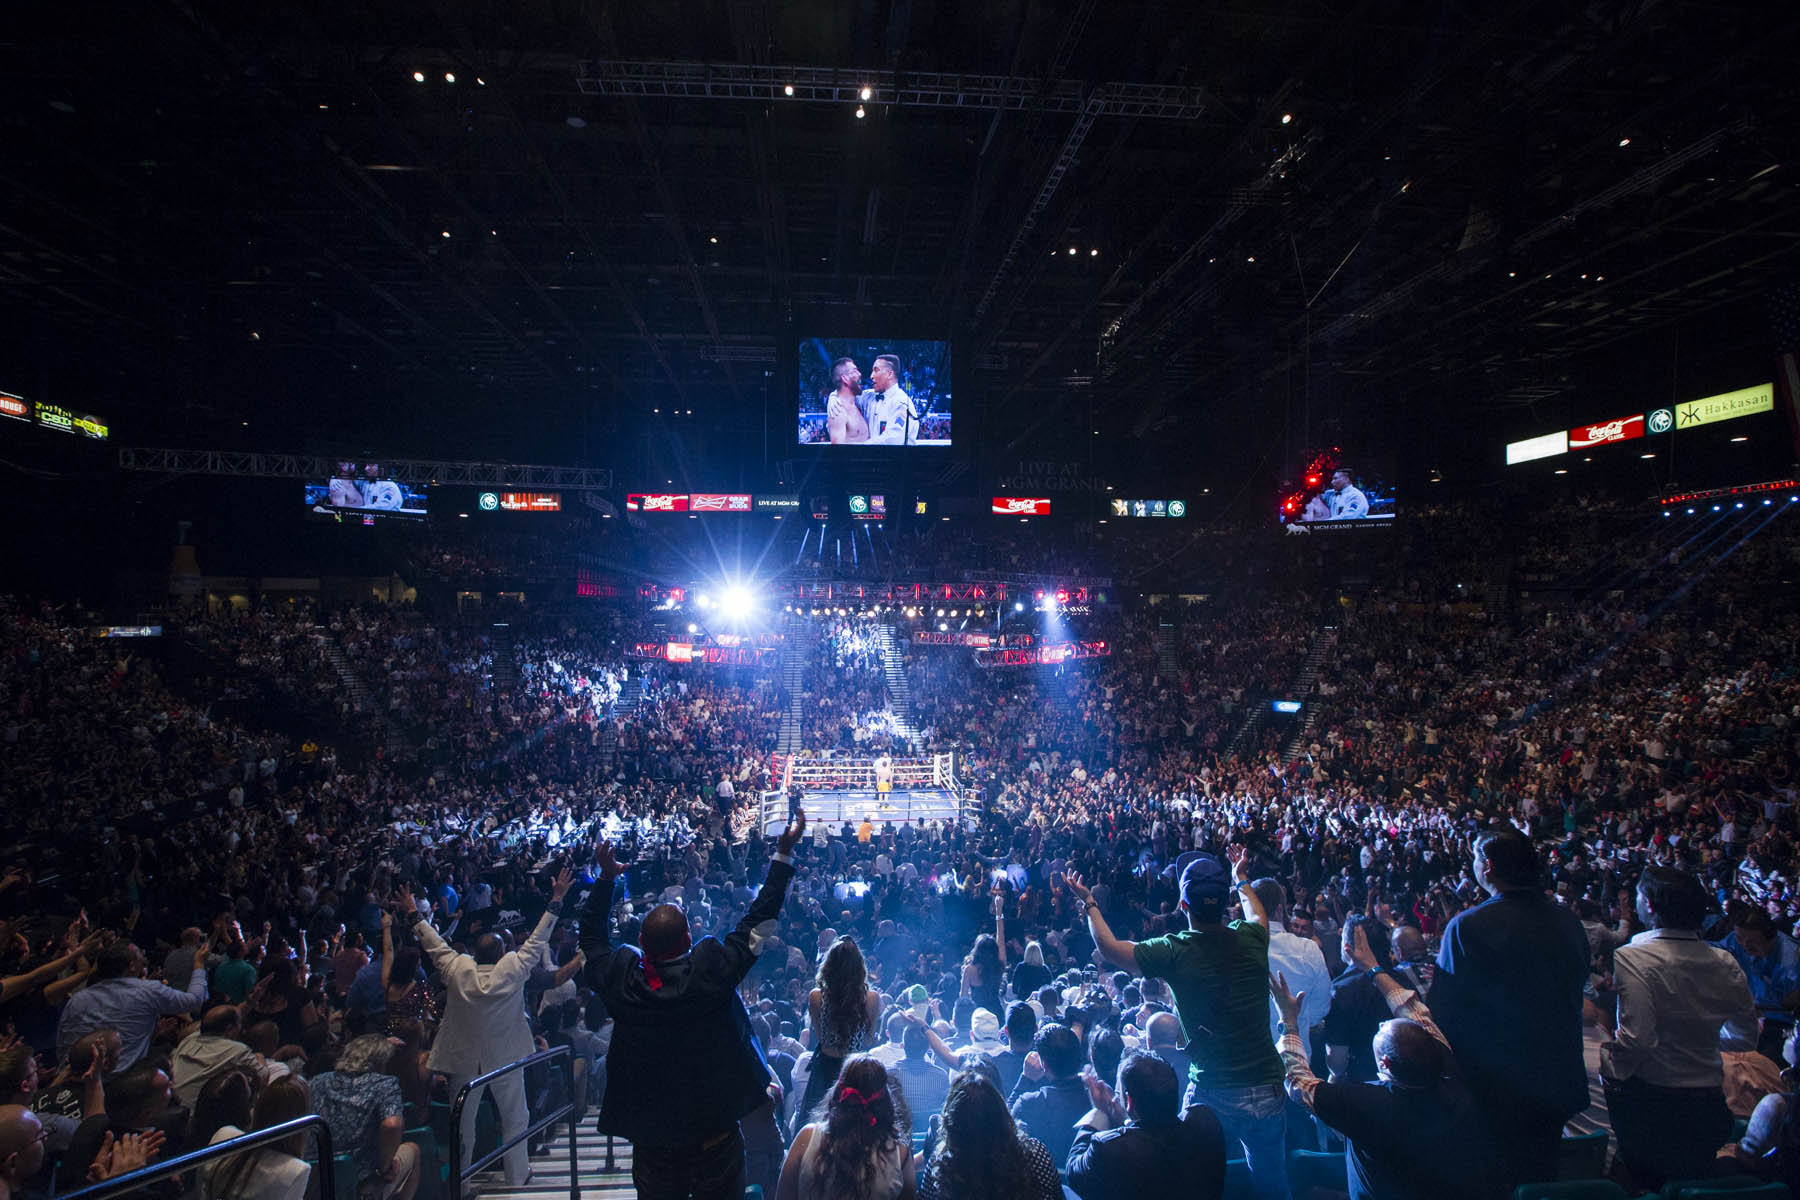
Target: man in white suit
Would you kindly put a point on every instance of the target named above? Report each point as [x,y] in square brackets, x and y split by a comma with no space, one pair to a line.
[484,1023]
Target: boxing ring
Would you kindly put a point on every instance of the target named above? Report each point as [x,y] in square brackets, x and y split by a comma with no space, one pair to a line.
[836,790]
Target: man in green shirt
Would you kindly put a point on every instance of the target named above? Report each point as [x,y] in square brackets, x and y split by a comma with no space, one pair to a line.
[1219,974]
[234,978]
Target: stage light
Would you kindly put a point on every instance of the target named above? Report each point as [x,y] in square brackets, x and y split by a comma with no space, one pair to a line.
[446,233]
[418,77]
[788,90]
[943,628]
[1690,512]
[737,603]
[1740,504]
[1624,142]
[1094,253]
[449,77]
[860,114]
[1766,503]
[1667,513]
[1715,508]
[693,628]
[1018,606]
[1287,118]
[703,600]
[868,93]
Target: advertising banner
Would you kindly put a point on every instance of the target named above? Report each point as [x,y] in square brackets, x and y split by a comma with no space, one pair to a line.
[1021,506]
[1726,406]
[1619,429]
[719,502]
[656,502]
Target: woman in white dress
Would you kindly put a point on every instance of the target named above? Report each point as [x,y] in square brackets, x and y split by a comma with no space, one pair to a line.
[861,1148]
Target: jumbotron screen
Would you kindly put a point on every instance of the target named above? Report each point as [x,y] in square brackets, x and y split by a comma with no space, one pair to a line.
[1338,490]
[874,392]
[366,489]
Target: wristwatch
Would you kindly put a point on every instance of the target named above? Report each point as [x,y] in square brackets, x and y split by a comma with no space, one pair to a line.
[1374,971]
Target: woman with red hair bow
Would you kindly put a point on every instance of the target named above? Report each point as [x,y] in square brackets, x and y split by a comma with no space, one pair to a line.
[859,1145]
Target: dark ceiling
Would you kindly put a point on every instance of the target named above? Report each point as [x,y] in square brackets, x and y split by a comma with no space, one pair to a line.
[1291,219]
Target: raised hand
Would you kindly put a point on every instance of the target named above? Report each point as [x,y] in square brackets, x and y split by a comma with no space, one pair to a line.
[1238,855]
[1360,951]
[605,859]
[560,888]
[1081,891]
[1286,1002]
[409,905]
[790,837]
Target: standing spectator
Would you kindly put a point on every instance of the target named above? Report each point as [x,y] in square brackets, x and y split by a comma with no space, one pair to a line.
[677,1017]
[362,1105]
[981,1153]
[1662,1072]
[843,1018]
[1357,1011]
[1300,959]
[1414,1134]
[122,999]
[1771,961]
[1149,1150]
[859,1148]
[1021,1031]
[484,1018]
[235,976]
[1507,994]
[1219,974]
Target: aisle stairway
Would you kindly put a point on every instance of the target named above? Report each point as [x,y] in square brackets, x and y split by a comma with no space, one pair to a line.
[800,643]
[1168,653]
[1323,640]
[899,687]
[361,698]
[550,1171]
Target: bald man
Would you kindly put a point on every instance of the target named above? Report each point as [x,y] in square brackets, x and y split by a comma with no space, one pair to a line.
[21,1149]
[684,1066]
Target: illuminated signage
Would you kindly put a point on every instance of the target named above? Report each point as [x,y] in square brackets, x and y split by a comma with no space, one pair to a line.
[719,502]
[15,407]
[128,631]
[1021,506]
[530,501]
[52,416]
[1547,446]
[787,503]
[680,652]
[1149,508]
[656,502]
[488,501]
[868,508]
[1619,429]
[1285,706]
[1726,406]
[1660,420]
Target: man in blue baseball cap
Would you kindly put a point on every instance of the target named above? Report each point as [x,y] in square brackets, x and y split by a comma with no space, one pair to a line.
[1219,974]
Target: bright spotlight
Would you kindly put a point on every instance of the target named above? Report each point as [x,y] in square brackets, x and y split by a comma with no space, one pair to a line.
[1018,606]
[693,628]
[703,600]
[737,603]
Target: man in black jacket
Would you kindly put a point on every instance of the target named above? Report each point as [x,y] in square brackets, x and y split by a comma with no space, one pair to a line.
[1151,1150]
[684,1066]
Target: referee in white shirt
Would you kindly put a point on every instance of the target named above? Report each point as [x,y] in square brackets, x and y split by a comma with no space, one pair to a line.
[1679,997]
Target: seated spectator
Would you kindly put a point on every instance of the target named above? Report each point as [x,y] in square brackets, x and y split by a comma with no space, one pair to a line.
[277,1172]
[860,1148]
[138,1101]
[224,1100]
[1146,1148]
[980,1152]
[1415,1134]
[1021,1031]
[21,1149]
[211,1050]
[921,1081]
[363,1106]
[1049,1112]
[121,998]
[77,1092]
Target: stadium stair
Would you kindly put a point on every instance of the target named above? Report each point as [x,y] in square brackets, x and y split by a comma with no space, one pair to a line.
[506,663]
[799,644]
[899,687]
[361,698]
[550,1171]
[1168,653]
[1324,638]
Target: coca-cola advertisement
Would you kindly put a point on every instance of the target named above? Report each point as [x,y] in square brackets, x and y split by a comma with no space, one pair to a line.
[1021,506]
[656,502]
[1619,429]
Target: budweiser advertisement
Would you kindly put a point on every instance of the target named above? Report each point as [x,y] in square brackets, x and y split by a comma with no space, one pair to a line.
[719,502]
[656,502]
[1619,429]
[1021,506]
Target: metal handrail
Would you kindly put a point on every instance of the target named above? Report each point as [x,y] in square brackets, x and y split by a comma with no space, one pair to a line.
[133,1180]
[459,1173]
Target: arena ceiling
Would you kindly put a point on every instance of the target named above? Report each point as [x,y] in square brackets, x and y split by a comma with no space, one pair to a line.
[557,229]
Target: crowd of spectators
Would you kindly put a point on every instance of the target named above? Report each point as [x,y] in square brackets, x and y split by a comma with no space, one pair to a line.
[1006,1005]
